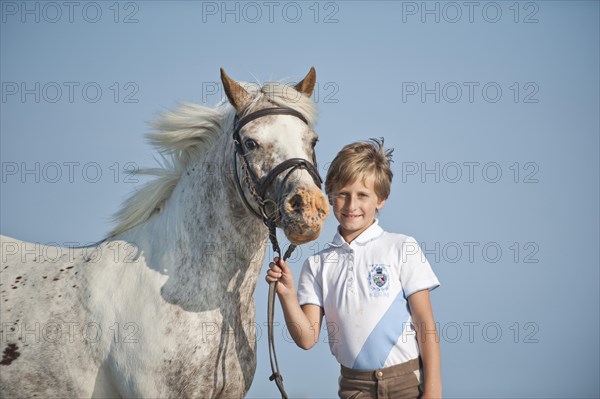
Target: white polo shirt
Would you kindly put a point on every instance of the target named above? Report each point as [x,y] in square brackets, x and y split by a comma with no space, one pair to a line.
[363,289]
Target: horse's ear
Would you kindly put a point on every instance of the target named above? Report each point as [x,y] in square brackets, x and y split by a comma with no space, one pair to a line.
[237,95]
[307,84]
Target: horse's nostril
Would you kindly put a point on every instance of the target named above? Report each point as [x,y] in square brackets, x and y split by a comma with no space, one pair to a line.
[296,202]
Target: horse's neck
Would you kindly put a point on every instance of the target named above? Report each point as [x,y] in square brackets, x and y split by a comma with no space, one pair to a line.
[204,239]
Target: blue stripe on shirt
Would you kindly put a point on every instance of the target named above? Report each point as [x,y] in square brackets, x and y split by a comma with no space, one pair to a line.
[384,336]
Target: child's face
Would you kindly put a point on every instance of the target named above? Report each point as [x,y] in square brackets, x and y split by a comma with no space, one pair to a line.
[355,206]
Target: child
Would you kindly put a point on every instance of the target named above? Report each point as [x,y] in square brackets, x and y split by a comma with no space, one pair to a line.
[372,285]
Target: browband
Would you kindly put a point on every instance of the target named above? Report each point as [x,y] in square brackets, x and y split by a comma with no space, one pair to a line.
[266,112]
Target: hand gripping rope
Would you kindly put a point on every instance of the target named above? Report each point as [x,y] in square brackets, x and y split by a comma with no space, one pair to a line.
[276,376]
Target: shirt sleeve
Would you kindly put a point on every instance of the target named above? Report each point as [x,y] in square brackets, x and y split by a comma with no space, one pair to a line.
[415,271]
[309,288]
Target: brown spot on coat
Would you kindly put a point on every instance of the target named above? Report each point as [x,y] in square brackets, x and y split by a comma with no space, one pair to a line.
[11,352]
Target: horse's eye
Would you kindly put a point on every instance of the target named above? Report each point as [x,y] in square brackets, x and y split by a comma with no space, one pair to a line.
[251,144]
[314,143]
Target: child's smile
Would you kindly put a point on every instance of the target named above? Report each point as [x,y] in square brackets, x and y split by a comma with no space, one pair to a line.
[355,206]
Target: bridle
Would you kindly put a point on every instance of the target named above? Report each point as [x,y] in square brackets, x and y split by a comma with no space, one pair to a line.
[258,189]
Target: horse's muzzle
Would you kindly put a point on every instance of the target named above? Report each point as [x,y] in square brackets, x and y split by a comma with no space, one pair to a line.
[304,211]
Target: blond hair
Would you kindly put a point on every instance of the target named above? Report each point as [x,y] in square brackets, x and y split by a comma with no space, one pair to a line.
[361,160]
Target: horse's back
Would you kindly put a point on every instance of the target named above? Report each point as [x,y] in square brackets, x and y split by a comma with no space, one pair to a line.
[35,277]
[43,351]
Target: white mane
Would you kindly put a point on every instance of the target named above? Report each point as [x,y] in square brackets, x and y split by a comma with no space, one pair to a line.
[184,134]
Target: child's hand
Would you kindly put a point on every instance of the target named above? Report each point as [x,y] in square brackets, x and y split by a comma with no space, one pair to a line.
[280,271]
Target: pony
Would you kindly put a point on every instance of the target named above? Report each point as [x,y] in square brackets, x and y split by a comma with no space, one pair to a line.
[163,307]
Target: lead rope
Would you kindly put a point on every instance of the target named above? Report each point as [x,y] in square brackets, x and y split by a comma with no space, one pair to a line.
[276,376]
[271,225]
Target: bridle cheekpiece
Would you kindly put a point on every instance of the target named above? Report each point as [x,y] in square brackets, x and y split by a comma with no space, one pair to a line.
[259,189]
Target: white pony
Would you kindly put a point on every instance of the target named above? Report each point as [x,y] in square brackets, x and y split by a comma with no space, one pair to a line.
[164,307]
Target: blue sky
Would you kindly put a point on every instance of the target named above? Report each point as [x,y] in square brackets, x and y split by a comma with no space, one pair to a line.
[492,108]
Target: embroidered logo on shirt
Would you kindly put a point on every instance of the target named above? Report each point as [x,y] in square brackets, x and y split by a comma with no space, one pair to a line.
[379,275]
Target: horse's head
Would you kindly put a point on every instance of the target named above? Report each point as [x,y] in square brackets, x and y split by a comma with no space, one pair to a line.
[275,155]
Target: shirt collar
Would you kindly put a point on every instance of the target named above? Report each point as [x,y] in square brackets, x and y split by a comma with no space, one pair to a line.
[371,233]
